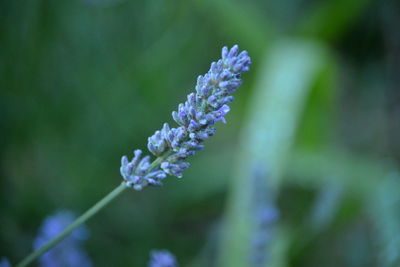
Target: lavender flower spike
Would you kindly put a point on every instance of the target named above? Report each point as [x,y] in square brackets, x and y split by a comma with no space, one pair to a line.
[195,117]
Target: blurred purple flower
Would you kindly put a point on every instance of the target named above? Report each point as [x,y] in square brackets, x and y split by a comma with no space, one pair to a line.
[5,262]
[265,215]
[195,117]
[67,253]
[162,258]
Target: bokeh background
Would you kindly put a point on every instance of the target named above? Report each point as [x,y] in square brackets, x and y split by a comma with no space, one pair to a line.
[313,134]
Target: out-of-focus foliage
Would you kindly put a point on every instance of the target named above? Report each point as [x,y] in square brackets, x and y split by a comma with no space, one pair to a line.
[84,82]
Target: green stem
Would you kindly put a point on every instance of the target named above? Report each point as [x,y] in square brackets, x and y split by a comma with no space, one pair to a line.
[83,218]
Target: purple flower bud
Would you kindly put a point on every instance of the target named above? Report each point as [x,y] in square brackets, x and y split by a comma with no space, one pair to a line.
[176,117]
[224,84]
[224,110]
[224,53]
[193,126]
[227,100]
[165,130]
[225,74]
[165,165]
[212,99]
[137,187]
[201,136]
[192,112]
[233,52]
[143,165]
[219,114]
[155,183]
[191,99]
[124,161]
[206,90]
[152,148]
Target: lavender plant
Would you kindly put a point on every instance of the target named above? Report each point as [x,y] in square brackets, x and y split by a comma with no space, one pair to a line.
[162,258]
[196,118]
[172,146]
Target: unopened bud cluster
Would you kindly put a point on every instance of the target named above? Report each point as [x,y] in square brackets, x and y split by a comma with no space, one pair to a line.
[195,117]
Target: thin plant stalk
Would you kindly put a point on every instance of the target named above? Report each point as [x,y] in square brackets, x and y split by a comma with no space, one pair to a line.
[172,146]
[80,220]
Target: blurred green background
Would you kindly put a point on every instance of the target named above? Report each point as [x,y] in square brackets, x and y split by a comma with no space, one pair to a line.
[85,82]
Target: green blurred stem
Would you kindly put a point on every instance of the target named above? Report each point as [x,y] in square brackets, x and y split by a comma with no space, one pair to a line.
[83,218]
